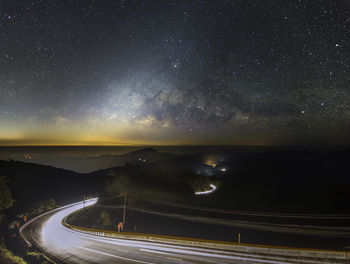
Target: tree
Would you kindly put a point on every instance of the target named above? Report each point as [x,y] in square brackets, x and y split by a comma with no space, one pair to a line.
[106,221]
[7,257]
[42,206]
[6,200]
[119,184]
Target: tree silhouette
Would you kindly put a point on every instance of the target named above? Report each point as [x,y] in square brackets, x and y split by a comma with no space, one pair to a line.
[6,200]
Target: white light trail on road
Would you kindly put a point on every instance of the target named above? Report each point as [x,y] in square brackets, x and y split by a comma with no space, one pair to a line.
[213,188]
[221,256]
[174,250]
[58,238]
[115,256]
[55,235]
[82,246]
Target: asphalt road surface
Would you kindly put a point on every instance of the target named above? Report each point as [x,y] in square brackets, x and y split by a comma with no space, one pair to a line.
[63,245]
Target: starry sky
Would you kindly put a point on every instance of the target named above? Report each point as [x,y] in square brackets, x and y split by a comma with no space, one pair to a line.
[266,72]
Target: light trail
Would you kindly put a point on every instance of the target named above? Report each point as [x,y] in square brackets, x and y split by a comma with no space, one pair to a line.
[66,245]
[115,256]
[212,189]
[53,228]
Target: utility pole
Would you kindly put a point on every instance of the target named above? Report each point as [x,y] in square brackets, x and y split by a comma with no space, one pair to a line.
[239,238]
[124,210]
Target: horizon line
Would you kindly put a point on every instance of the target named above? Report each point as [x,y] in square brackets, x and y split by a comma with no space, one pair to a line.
[173,145]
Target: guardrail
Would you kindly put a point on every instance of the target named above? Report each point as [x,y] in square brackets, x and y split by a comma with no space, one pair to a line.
[299,255]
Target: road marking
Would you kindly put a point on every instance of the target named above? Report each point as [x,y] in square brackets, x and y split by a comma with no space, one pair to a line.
[160,252]
[175,258]
[114,256]
[213,255]
[165,253]
[161,248]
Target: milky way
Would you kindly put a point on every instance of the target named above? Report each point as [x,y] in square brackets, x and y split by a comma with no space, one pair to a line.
[175,72]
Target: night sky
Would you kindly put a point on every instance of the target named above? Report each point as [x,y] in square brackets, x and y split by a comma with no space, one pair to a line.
[175,72]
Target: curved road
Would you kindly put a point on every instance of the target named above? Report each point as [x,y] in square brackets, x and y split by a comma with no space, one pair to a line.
[64,245]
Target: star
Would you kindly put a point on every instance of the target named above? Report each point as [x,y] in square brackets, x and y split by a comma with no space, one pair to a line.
[176,71]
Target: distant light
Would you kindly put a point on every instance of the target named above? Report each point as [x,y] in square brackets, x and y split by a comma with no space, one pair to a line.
[28,156]
[211,163]
[213,188]
[223,169]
